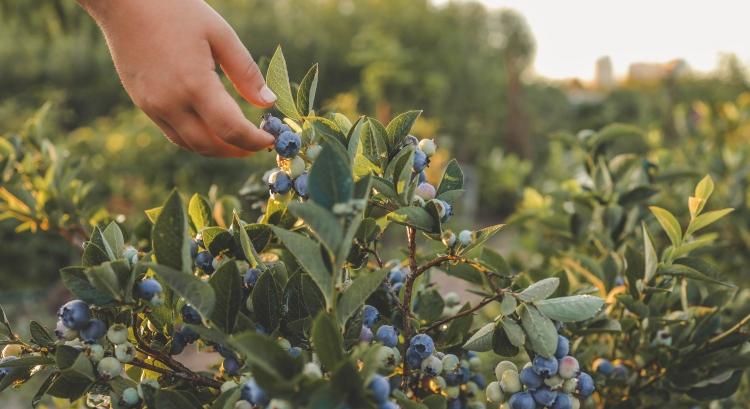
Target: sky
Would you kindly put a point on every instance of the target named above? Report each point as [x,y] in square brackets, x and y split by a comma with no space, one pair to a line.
[572,34]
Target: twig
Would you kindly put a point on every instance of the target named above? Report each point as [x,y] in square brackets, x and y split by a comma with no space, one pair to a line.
[461,314]
[411,239]
[190,377]
[730,331]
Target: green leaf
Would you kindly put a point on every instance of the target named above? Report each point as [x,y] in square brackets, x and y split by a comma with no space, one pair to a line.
[277,78]
[344,124]
[114,238]
[704,189]
[415,217]
[97,238]
[359,291]
[481,341]
[706,219]
[171,399]
[330,181]
[435,402]
[93,255]
[327,341]
[227,286]
[40,335]
[307,254]
[266,301]
[508,305]
[373,142]
[195,291]
[651,259]
[540,331]
[570,309]
[199,211]
[170,235]
[328,132]
[217,240]
[324,224]
[681,270]
[266,355]
[540,290]
[43,388]
[248,248]
[153,214]
[260,235]
[453,178]
[398,129]
[306,91]
[68,387]
[481,237]
[669,223]
[501,344]
[75,280]
[513,331]
[27,362]
[400,170]
[112,278]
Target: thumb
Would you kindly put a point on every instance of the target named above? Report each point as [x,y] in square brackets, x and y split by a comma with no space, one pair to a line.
[240,67]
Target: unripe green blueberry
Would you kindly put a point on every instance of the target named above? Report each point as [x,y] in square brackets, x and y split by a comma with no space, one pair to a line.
[663,337]
[313,151]
[450,363]
[575,403]
[96,352]
[284,344]
[440,382]
[124,353]
[109,367]
[465,237]
[228,385]
[312,370]
[243,404]
[452,392]
[279,404]
[452,299]
[427,146]
[554,382]
[503,366]
[418,201]
[505,405]
[494,393]
[432,366]
[153,383]
[570,385]
[475,363]
[130,254]
[472,389]
[509,382]
[130,396]
[387,358]
[12,350]
[448,238]
[117,334]
[296,167]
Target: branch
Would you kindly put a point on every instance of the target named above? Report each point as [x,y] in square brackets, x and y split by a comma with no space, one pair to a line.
[411,239]
[190,377]
[460,314]
[730,331]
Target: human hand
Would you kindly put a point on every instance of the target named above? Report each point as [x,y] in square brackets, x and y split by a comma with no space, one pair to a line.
[166,53]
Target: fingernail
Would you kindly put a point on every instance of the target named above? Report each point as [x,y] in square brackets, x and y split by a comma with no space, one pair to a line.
[267,95]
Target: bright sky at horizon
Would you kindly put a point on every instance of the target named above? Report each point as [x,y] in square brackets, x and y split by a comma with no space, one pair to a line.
[572,34]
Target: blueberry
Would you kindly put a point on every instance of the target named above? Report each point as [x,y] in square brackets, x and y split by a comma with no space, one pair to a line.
[388,405]
[205,262]
[6,371]
[149,290]
[124,353]
[568,367]
[370,315]
[279,182]
[190,315]
[425,190]
[422,177]
[544,366]
[188,335]
[380,388]
[585,385]
[479,380]
[288,144]
[94,330]
[252,393]
[563,401]
[465,237]
[251,277]
[63,332]
[295,352]
[365,334]
[530,378]
[603,366]
[271,124]
[411,140]
[503,366]
[544,396]
[387,335]
[413,359]
[454,404]
[420,161]
[231,366]
[450,363]
[619,281]
[396,275]
[178,345]
[431,366]
[563,347]
[74,314]
[194,248]
[493,392]
[300,185]
[620,372]
[427,146]
[423,345]
[109,367]
[522,400]
[510,382]
[130,396]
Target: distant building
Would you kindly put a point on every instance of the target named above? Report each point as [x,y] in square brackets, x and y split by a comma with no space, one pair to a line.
[651,72]
[605,76]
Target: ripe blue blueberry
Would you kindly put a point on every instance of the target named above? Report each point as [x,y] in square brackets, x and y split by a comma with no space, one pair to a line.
[149,290]
[370,315]
[522,400]
[530,378]
[423,345]
[279,182]
[563,401]
[388,405]
[422,177]
[380,388]
[300,185]
[544,366]
[231,366]
[413,358]
[479,380]
[365,334]
[252,393]
[94,330]
[193,248]
[396,275]
[603,366]
[295,352]
[411,140]
[178,345]
[271,124]
[288,144]
[544,396]
[188,335]
[6,371]
[563,347]
[620,372]
[190,315]
[251,277]
[74,314]
[585,385]
[205,261]
[387,335]
[420,161]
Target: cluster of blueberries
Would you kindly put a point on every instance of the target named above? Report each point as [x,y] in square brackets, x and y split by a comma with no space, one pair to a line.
[291,173]
[606,368]
[555,383]
[425,191]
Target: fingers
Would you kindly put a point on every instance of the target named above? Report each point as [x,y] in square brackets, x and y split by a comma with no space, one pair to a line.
[169,132]
[200,138]
[224,118]
[240,67]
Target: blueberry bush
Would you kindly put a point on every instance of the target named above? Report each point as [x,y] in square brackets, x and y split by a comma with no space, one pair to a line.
[303,311]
